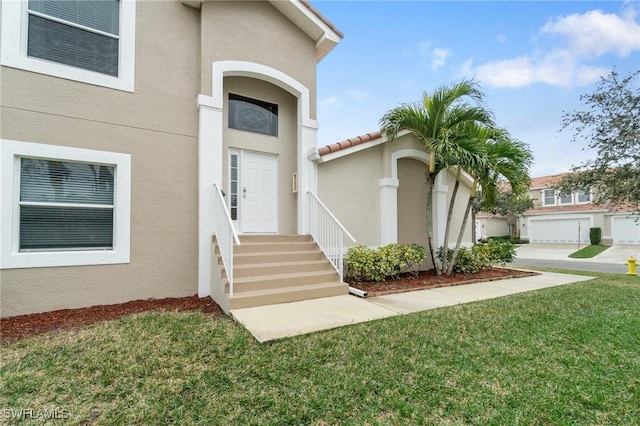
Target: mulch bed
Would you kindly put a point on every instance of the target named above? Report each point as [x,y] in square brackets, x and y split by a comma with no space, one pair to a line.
[19,327]
[15,328]
[428,279]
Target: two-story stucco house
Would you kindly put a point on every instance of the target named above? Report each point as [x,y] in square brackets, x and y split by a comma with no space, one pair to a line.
[153,149]
[564,218]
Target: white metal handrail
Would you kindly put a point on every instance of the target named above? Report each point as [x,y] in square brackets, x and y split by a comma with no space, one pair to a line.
[225,233]
[327,232]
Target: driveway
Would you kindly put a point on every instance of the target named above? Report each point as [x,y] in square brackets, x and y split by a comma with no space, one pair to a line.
[614,259]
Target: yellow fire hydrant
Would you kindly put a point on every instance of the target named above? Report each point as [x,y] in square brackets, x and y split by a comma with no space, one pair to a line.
[631,264]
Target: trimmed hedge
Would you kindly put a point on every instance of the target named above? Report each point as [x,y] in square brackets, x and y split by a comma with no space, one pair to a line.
[495,252]
[595,236]
[363,263]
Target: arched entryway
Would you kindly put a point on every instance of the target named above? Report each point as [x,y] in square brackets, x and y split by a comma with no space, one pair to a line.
[212,156]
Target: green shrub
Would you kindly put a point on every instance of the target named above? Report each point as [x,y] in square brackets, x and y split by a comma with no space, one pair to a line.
[365,264]
[595,236]
[414,255]
[495,252]
[466,262]
[362,264]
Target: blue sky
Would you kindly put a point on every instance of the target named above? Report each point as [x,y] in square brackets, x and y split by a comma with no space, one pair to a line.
[532,60]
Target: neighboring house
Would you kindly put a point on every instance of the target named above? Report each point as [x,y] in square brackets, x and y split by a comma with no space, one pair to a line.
[491,225]
[567,218]
[111,143]
[377,190]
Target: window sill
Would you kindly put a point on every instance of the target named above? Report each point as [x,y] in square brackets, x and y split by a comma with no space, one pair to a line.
[67,258]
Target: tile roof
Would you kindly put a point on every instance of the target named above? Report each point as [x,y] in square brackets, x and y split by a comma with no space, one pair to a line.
[321,17]
[545,181]
[349,143]
[565,209]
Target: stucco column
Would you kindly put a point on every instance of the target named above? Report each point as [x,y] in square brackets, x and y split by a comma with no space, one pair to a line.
[209,171]
[389,210]
[440,191]
[307,176]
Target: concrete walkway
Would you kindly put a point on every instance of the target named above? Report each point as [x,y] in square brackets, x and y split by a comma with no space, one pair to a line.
[273,322]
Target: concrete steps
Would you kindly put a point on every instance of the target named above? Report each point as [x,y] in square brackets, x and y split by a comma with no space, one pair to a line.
[271,269]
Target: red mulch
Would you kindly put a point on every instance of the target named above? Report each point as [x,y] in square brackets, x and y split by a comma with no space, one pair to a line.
[19,327]
[22,326]
[428,279]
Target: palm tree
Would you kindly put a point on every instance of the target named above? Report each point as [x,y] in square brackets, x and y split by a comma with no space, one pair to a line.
[435,121]
[505,160]
[469,155]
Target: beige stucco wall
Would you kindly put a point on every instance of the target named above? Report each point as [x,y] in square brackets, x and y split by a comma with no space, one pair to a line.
[350,188]
[494,226]
[158,126]
[412,203]
[255,31]
[284,146]
[412,198]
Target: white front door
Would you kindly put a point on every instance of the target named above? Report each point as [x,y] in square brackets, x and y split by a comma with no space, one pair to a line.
[258,193]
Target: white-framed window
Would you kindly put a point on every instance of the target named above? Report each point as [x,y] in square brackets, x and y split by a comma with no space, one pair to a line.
[583,197]
[63,206]
[565,199]
[548,197]
[91,41]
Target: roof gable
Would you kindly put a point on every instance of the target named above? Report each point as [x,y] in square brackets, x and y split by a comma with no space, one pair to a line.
[307,18]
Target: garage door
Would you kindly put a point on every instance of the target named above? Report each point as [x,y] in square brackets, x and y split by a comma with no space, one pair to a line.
[559,230]
[625,230]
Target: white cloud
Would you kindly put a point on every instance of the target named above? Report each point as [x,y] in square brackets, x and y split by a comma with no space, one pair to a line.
[424,50]
[594,33]
[359,94]
[434,56]
[501,38]
[330,100]
[577,39]
[557,68]
[439,57]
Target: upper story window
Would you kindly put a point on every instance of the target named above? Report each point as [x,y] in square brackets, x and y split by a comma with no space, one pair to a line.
[253,115]
[565,199]
[79,33]
[63,206]
[583,197]
[91,41]
[548,197]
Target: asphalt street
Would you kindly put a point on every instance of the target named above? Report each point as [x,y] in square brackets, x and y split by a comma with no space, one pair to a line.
[574,266]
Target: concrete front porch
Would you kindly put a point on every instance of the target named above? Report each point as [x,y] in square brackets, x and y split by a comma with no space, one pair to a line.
[275,268]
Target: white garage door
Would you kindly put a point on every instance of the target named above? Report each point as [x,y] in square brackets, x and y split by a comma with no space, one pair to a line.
[559,230]
[625,230]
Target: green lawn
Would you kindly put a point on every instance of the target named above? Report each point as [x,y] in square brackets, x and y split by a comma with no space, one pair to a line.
[567,355]
[588,252]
